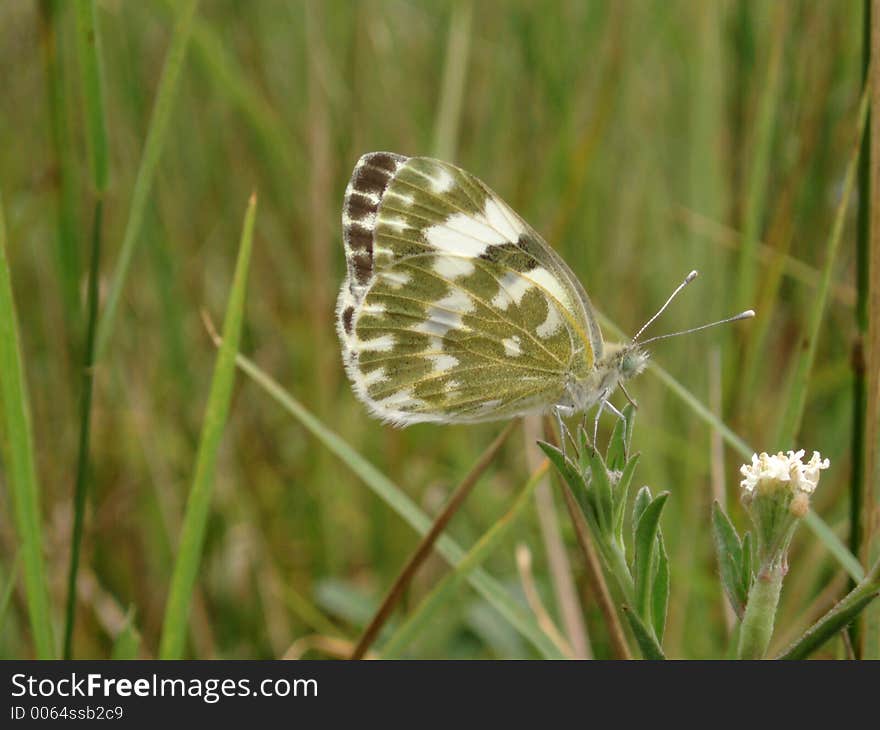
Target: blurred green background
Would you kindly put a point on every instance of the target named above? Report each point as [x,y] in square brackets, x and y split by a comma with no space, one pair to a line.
[642,139]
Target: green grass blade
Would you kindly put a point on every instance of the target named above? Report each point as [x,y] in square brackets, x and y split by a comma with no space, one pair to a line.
[189,551]
[20,462]
[89,51]
[454,72]
[63,149]
[147,170]
[837,618]
[8,588]
[790,422]
[127,644]
[759,168]
[82,464]
[490,589]
[447,588]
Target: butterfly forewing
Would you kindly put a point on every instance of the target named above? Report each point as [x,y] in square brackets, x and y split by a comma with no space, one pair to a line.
[454,309]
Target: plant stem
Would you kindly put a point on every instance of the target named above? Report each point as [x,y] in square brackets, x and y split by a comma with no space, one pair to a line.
[427,543]
[595,577]
[757,623]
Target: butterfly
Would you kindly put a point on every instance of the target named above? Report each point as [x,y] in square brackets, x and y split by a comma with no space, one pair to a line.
[454,310]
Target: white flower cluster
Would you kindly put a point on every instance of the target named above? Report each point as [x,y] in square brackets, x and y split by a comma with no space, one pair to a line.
[767,474]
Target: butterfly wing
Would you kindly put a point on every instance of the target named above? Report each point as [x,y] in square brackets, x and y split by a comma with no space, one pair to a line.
[454,310]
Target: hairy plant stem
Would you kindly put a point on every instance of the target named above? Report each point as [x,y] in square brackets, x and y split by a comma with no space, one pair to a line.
[760,614]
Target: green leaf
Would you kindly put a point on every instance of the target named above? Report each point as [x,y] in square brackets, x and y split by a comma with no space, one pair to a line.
[18,454]
[645,553]
[621,495]
[644,637]
[660,589]
[146,173]
[89,51]
[838,617]
[729,550]
[128,642]
[600,483]
[586,499]
[642,500]
[618,446]
[195,519]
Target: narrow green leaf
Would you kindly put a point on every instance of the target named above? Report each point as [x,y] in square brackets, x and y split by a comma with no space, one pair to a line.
[644,636]
[89,51]
[618,446]
[147,171]
[585,498]
[642,500]
[660,589]
[447,588]
[728,549]
[600,484]
[645,553]
[489,588]
[21,473]
[837,618]
[189,551]
[8,588]
[621,495]
[128,642]
[790,421]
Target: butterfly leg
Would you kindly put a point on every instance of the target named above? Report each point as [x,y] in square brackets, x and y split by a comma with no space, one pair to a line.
[559,411]
[602,404]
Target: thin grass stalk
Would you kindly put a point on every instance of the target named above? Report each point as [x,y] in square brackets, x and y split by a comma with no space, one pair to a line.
[89,53]
[447,588]
[21,472]
[790,422]
[870,645]
[596,578]
[198,504]
[558,563]
[67,249]
[426,545]
[147,170]
[489,588]
[458,44]
[756,193]
[82,462]
[858,457]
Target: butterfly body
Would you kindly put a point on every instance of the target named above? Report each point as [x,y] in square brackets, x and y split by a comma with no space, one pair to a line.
[454,310]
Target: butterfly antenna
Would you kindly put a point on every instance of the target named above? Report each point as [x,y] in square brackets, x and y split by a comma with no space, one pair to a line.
[748,314]
[687,280]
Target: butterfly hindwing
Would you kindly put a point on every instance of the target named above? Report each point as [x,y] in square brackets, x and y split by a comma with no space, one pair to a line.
[454,309]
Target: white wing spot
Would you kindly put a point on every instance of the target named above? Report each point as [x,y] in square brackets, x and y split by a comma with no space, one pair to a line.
[371,378]
[453,268]
[513,289]
[439,322]
[458,301]
[550,325]
[396,279]
[443,183]
[442,363]
[511,346]
[551,284]
[385,343]
[503,219]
